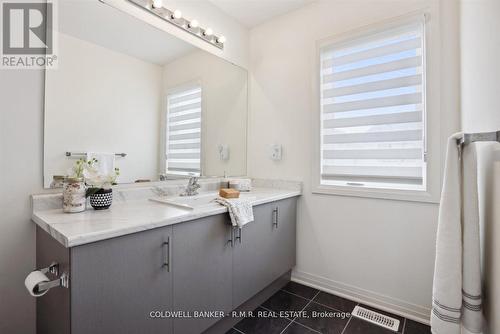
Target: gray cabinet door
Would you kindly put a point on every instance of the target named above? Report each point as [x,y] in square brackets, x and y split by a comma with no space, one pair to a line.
[201,264]
[266,250]
[284,236]
[117,283]
[252,262]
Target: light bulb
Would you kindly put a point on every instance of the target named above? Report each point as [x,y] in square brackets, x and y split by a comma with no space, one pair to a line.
[193,24]
[157,3]
[221,40]
[177,14]
[208,32]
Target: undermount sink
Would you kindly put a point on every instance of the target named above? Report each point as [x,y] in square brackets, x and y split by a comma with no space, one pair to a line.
[193,202]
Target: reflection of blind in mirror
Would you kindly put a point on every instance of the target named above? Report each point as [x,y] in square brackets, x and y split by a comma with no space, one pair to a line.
[372,110]
[184,131]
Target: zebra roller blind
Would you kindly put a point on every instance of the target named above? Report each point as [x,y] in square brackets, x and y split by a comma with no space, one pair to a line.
[184,131]
[373,110]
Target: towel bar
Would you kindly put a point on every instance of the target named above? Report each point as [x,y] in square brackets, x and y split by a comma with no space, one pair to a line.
[83,154]
[469,138]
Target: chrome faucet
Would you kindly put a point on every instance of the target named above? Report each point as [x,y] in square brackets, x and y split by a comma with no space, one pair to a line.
[192,187]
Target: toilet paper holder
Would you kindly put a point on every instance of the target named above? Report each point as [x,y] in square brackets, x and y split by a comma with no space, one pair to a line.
[62,280]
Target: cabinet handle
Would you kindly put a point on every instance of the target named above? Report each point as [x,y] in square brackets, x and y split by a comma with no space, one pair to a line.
[276,217]
[166,258]
[239,235]
[231,241]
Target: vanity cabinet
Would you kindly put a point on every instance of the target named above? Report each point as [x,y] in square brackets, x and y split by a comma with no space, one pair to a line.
[194,266]
[264,250]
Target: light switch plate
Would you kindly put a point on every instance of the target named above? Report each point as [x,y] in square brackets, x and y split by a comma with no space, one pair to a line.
[223,151]
[276,152]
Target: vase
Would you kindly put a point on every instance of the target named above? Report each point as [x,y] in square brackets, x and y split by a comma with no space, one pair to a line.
[73,195]
[101,199]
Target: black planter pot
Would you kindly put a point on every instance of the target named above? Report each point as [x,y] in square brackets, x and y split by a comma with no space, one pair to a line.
[102,199]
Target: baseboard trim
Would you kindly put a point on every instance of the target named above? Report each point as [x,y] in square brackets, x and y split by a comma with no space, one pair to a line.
[400,307]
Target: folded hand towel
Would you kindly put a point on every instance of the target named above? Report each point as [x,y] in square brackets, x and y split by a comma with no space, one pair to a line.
[457,282]
[105,162]
[240,210]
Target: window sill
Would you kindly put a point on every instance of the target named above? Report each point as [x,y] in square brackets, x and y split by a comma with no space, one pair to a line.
[390,194]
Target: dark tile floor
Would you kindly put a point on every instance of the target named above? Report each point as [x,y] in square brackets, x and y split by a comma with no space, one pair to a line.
[299,309]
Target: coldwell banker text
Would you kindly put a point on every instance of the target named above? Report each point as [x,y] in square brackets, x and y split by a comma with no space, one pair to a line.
[28,40]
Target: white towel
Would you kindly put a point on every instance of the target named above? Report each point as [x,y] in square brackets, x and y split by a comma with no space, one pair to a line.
[105,162]
[240,210]
[456,293]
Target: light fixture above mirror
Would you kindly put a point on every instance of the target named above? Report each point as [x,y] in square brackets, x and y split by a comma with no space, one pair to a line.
[176,18]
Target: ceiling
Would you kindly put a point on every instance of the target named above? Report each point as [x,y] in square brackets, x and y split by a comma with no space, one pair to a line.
[251,13]
[103,25]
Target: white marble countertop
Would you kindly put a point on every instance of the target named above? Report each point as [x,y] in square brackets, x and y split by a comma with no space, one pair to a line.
[130,215]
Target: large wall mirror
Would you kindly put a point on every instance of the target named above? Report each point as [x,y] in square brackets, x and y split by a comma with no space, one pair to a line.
[124,86]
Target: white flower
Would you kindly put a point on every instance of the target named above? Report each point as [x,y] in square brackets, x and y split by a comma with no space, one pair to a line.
[93,178]
[96,180]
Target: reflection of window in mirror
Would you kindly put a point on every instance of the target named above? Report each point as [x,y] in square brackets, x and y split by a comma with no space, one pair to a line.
[183,136]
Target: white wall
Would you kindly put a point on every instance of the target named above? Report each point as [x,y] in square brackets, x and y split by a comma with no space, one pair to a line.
[21,128]
[224,108]
[480,69]
[480,103]
[379,251]
[21,152]
[113,104]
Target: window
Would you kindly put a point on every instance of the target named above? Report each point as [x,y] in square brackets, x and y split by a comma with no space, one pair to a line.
[373,110]
[183,146]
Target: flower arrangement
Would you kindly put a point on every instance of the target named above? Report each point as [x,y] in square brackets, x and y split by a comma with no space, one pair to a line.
[98,185]
[94,180]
